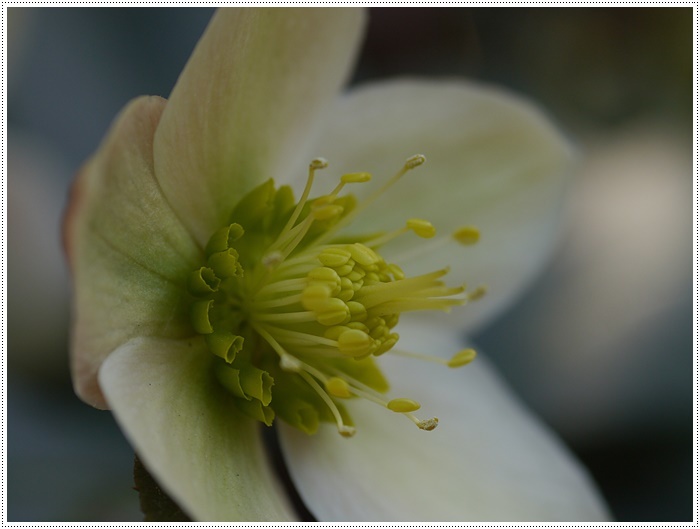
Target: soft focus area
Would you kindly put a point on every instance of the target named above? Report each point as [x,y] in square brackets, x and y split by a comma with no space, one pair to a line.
[600,346]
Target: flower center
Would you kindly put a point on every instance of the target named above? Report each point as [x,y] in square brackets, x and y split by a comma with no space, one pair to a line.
[295,314]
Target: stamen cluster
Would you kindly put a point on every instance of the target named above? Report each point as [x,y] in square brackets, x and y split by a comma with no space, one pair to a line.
[294,318]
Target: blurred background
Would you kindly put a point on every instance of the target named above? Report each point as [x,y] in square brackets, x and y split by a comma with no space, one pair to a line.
[600,347]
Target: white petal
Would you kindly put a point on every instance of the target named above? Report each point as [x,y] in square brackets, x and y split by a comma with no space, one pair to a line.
[243,106]
[187,432]
[488,460]
[493,160]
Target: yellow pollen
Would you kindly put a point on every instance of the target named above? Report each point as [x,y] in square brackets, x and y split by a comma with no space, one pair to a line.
[467,235]
[428,424]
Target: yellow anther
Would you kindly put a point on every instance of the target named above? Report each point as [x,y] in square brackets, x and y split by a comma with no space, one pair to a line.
[355,343]
[414,161]
[467,235]
[347,290]
[332,312]
[345,269]
[478,293]
[326,212]
[356,274]
[338,388]
[421,227]
[358,325]
[333,333]
[358,312]
[355,178]
[363,255]
[334,257]
[403,405]
[318,163]
[323,200]
[387,344]
[462,358]
[396,271]
[326,275]
[315,296]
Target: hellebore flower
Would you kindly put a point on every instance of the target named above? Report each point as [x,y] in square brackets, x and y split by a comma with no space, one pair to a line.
[209,300]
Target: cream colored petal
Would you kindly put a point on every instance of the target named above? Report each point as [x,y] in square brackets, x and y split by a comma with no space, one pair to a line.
[489,459]
[493,160]
[243,107]
[187,432]
[128,253]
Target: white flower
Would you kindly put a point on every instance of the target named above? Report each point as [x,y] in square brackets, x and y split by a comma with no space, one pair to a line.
[156,292]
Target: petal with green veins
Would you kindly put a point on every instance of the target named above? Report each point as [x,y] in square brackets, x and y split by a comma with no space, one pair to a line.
[129,254]
[189,433]
[257,82]
[493,161]
[488,460]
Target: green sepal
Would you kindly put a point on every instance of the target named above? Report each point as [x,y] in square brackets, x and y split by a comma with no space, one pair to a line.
[255,410]
[285,204]
[199,315]
[225,264]
[255,206]
[224,344]
[203,282]
[156,505]
[257,383]
[224,238]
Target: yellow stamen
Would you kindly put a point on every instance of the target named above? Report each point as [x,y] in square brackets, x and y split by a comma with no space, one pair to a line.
[421,227]
[338,388]
[314,310]
[316,164]
[343,429]
[459,359]
[411,163]
[403,405]
[478,293]
[467,235]
[462,358]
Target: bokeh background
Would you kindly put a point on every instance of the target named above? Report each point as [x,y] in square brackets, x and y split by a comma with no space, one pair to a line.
[600,347]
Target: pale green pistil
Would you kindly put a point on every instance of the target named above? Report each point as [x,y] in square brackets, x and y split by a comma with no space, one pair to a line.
[296,319]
